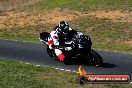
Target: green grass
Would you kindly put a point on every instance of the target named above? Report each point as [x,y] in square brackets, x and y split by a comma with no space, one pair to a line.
[105,34]
[19,75]
[26,33]
[84,4]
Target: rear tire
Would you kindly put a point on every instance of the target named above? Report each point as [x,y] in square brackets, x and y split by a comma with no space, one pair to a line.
[95,59]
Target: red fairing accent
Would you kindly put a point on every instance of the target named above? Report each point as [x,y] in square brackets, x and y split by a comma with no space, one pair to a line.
[61,57]
[50,42]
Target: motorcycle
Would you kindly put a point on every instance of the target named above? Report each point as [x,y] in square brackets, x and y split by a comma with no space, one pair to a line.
[81,49]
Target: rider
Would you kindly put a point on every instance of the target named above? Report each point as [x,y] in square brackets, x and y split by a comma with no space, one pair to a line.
[56,37]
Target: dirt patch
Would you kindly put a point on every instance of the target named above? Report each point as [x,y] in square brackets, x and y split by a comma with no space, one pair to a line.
[115,16]
[56,15]
[129,43]
[24,18]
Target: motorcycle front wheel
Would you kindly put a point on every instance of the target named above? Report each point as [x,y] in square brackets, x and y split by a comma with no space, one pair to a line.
[95,58]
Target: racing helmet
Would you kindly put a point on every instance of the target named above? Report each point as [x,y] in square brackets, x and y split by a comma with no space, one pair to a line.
[64,26]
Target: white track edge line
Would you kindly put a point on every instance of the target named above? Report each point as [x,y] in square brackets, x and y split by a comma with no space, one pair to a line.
[56,68]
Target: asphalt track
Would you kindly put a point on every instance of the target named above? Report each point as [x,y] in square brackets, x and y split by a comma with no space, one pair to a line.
[114,62]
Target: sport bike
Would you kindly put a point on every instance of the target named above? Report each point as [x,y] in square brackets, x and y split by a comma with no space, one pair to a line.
[80,49]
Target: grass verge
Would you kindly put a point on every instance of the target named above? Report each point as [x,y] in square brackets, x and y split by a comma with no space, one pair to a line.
[19,75]
[83,5]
